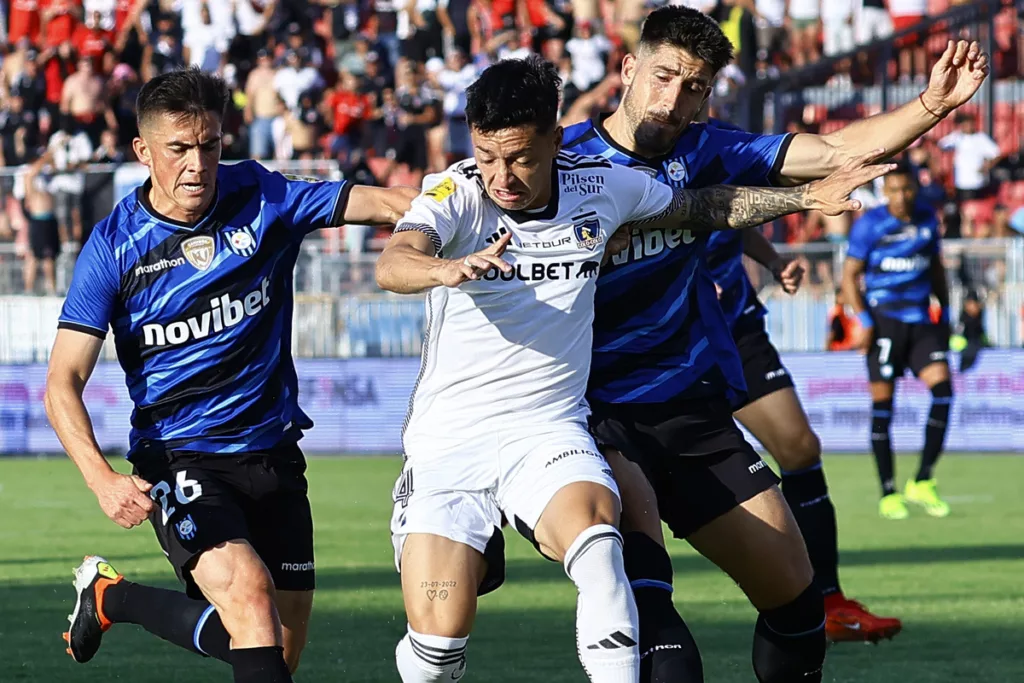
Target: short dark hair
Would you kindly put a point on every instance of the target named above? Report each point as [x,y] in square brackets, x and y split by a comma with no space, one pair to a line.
[903,167]
[693,31]
[188,93]
[514,92]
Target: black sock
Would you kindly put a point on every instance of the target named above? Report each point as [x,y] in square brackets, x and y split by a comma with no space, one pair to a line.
[807,494]
[668,651]
[190,624]
[935,431]
[881,445]
[789,641]
[260,665]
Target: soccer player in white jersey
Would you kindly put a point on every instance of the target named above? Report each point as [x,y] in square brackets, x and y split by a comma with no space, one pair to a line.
[497,421]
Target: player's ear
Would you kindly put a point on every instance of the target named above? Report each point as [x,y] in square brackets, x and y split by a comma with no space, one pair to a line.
[628,69]
[558,137]
[142,151]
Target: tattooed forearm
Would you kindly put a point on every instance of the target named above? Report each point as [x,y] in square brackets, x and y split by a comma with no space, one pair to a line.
[725,207]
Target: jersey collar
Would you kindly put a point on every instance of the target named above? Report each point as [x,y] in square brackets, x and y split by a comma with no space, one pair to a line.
[142,197]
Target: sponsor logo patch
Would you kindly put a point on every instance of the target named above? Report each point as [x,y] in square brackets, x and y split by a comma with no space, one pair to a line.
[441,191]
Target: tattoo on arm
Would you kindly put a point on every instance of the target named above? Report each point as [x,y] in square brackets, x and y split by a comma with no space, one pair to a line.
[725,207]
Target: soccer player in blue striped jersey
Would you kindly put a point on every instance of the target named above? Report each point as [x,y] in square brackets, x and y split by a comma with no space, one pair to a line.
[773,414]
[193,272]
[896,248]
[664,383]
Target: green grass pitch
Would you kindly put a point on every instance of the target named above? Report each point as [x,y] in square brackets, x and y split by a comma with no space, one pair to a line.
[958,584]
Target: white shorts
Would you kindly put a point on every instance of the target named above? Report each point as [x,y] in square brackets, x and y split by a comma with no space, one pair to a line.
[872,23]
[459,488]
[838,38]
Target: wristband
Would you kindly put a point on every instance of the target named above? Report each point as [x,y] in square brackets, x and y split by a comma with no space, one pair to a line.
[925,106]
[865,319]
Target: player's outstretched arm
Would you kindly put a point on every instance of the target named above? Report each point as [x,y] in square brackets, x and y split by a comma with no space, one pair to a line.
[123,498]
[378,205]
[955,79]
[726,207]
[408,266]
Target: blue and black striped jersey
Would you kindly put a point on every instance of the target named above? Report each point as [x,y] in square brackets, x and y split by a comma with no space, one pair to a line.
[897,261]
[202,314]
[659,331]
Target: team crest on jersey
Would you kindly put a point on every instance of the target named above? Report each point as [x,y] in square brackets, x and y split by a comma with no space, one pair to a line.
[186,528]
[242,241]
[588,233]
[442,191]
[198,251]
[675,170]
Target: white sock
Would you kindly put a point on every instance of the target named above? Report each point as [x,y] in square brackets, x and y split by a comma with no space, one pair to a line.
[607,625]
[426,659]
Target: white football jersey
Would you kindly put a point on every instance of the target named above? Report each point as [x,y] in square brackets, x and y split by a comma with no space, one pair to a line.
[516,348]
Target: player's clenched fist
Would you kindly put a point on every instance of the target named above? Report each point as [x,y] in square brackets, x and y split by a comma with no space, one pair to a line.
[454,272]
[124,499]
[788,273]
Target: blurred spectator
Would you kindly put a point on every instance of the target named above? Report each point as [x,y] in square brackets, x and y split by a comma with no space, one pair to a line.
[122,91]
[164,52]
[82,100]
[969,337]
[728,86]
[23,21]
[913,59]
[454,16]
[58,20]
[19,128]
[589,54]
[305,126]
[69,153]
[44,236]
[377,77]
[108,152]
[803,20]
[841,326]
[295,77]
[771,29]
[355,59]
[299,41]
[418,110]
[424,38]
[252,18]
[837,26]
[458,75]
[974,154]
[871,21]
[262,106]
[204,43]
[385,14]
[347,110]
[737,24]
[30,83]
[94,42]
[926,171]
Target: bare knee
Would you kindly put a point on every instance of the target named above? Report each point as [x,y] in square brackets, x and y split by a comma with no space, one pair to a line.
[240,587]
[802,450]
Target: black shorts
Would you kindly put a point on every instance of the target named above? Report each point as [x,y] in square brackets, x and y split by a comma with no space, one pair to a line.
[204,500]
[44,238]
[691,451]
[897,345]
[762,368]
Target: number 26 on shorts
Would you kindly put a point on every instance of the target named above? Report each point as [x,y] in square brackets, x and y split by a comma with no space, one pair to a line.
[185,491]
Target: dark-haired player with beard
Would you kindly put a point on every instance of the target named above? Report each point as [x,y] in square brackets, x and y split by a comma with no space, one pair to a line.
[666,373]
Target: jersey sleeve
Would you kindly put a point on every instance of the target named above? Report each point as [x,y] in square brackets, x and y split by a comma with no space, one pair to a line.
[748,158]
[308,204]
[94,288]
[860,239]
[437,210]
[642,198]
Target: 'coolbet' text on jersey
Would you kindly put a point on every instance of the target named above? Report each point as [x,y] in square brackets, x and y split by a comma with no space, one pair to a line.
[897,261]
[202,314]
[659,332]
[516,347]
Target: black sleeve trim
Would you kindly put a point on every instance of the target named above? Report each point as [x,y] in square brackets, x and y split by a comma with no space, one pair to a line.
[775,173]
[65,325]
[338,217]
[427,230]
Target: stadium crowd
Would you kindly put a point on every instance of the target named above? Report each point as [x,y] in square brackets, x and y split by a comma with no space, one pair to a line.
[379,86]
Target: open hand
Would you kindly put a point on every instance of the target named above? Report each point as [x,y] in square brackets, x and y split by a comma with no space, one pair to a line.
[473,267]
[955,78]
[831,195]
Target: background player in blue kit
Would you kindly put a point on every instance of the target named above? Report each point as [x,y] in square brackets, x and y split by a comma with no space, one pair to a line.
[896,248]
[193,272]
[666,374]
